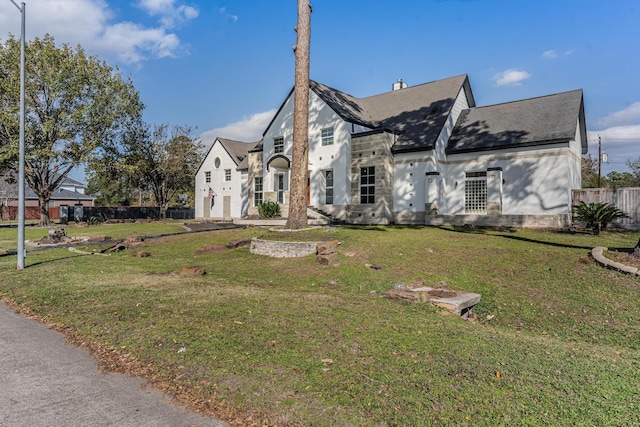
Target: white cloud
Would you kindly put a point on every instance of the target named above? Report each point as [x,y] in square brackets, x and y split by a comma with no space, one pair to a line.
[626,116]
[249,129]
[511,77]
[550,54]
[620,143]
[93,25]
[630,133]
[169,12]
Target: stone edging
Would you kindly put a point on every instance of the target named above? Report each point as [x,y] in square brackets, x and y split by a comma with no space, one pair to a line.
[597,254]
[279,249]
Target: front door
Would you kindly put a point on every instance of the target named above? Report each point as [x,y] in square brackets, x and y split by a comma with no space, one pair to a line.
[279,187]
[206,208]
[226,207]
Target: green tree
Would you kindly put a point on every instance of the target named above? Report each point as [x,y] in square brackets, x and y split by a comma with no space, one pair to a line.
[109,178]
[621,179]
[164,160]
[75,103]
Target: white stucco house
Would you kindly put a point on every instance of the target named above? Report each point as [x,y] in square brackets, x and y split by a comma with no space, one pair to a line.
[221,181]
[424,154]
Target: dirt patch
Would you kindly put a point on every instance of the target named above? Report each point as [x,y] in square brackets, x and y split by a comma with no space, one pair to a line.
[623,256]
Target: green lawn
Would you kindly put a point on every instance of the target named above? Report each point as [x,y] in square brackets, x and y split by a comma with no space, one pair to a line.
[294,343]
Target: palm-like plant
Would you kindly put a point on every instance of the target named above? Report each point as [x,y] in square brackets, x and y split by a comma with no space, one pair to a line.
[597,215]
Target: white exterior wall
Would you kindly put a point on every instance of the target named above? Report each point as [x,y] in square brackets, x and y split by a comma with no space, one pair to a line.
[412,188]
[575,161]
[409,189]
[461,103]
[536,181]
[220,187]
[336,156]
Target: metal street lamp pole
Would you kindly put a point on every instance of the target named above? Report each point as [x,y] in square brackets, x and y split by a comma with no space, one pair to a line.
[21,250]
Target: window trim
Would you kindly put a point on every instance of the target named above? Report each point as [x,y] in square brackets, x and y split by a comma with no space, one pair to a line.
[279,178]
[278,144]
[475,192]
[258,195]
[327,139]
[207,177]
[328,189]
[368,188]
[227,175]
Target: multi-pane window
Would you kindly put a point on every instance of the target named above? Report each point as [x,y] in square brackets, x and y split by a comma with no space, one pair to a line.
[368,185]
[278,187]
[207,177]
[327,136]
[227,175]
[475,192]
[257,191]
[278,144]
[328,187]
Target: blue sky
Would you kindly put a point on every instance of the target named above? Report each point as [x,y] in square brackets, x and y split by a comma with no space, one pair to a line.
[226,66]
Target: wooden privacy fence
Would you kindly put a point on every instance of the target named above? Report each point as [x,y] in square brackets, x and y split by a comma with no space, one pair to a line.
[627,199]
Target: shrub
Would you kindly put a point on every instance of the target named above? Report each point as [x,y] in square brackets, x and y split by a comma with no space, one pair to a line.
[597,215]
[268,210]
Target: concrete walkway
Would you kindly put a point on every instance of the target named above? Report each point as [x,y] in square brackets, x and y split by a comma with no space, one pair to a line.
[45,382]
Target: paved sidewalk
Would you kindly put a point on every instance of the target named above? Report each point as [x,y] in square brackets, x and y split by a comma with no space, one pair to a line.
[45,382]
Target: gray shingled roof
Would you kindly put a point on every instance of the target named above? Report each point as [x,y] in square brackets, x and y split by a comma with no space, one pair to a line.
[416,113]
[349,108]
[59,194]
[237,150]
[544,120]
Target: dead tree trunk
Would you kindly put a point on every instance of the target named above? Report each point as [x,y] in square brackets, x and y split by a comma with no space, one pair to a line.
[299,163]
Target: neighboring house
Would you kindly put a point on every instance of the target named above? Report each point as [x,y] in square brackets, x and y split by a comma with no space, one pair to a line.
[221,181]
[427,155]
[70,192]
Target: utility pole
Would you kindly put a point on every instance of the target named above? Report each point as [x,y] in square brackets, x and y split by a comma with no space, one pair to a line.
[21,250]
[599,159]
[297,217]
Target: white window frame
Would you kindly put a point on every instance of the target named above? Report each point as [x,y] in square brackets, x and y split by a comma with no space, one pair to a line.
[328,186]
[278,144]
[367,185]
[207,177]
[475,192]
[257,191]
[279,186]
[227,175]
[326,136]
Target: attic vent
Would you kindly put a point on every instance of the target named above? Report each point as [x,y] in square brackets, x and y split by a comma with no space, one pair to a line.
[398,85]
